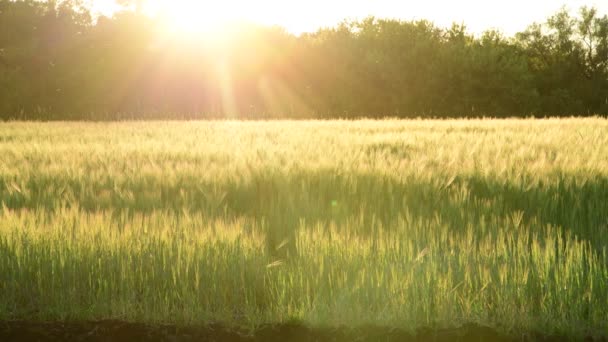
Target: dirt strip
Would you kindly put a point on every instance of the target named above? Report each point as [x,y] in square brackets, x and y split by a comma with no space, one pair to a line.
[117,331]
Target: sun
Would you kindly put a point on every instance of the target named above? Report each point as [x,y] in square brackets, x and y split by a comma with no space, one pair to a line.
[191,17]
[196,16]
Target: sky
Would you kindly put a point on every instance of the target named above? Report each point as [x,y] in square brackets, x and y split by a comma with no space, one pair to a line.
[305,16]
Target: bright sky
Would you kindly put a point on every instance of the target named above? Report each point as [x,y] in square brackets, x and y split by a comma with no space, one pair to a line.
[303,16]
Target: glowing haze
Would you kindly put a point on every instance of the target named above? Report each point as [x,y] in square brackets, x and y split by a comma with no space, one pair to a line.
[306,16]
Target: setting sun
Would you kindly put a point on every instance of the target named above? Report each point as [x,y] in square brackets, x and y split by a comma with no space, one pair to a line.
[195,17]
[191,15]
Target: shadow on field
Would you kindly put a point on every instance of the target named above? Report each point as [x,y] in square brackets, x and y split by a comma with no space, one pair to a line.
[121,331]
[565,202]
[281,201]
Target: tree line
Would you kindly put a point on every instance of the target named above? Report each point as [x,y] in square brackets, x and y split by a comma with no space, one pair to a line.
[58,62]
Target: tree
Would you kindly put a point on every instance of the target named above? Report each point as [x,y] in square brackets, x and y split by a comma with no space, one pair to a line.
[57,62]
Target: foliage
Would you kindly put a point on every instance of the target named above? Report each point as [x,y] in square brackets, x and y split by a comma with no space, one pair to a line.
[57,62]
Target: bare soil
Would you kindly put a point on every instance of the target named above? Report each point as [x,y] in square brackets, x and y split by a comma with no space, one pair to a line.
[117,331]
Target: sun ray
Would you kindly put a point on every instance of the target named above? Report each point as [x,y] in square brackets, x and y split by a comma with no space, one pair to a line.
[228,101]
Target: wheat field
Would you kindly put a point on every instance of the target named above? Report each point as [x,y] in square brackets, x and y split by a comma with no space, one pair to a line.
[405,224]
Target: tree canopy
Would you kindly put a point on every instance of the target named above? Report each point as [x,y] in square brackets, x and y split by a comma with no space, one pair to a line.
[58,62]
